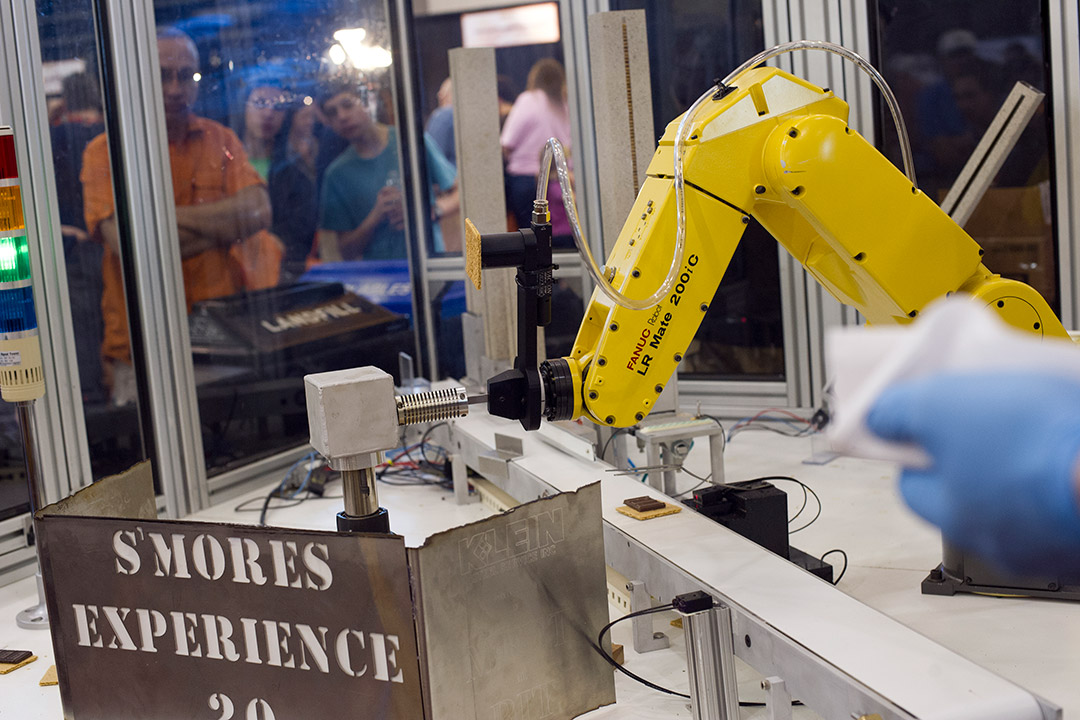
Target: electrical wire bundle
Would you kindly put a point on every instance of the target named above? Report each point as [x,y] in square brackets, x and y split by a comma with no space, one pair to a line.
[305,478]
[599,647]
[792,425]
[309,474]
[431,467]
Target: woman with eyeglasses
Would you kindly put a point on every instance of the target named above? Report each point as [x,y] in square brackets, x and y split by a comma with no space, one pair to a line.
[281,143]
[264,120]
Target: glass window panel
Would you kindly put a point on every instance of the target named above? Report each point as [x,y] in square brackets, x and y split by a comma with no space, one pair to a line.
[447,305]
[14,495]
[692,42]
[288,181]
[515,59]
[435,36]
[951,65]
[85,201]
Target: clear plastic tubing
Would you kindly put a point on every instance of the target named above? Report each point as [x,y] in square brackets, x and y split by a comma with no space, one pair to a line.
[553,151]
[861,63]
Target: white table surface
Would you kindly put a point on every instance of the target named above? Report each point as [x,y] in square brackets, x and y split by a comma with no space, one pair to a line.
[1035,643]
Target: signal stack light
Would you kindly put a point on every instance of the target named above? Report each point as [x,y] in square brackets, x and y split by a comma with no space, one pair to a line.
[21,378]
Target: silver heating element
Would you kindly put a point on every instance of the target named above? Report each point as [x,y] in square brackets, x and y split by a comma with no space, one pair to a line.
[433,406]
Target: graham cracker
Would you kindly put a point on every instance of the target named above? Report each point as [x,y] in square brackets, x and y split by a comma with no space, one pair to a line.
[5,668]
[472,253]
[49,678]
[668,509]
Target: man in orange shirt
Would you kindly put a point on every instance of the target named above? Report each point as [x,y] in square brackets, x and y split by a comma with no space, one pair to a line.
[222,210]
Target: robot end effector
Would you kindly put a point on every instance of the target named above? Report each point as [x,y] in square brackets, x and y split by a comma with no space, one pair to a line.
[529,390]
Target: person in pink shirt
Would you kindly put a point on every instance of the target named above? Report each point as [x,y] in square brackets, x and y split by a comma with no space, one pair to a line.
[538,113]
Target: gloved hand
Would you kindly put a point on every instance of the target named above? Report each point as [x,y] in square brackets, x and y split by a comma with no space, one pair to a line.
[1004,447]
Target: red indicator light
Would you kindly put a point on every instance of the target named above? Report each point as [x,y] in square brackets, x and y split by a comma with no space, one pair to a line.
[8,169]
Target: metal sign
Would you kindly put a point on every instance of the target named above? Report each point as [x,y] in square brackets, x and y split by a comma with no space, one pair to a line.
[171,620]
[511,607]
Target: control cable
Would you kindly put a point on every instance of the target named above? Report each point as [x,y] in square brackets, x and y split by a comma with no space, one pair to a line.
[599,647]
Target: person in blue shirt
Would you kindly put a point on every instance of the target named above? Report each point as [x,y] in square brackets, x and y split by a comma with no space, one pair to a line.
[361,211]
[440,125]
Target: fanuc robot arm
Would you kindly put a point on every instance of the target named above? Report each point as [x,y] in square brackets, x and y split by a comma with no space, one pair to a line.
[778,149]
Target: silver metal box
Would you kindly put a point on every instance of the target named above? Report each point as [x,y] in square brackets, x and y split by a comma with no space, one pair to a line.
[351,415]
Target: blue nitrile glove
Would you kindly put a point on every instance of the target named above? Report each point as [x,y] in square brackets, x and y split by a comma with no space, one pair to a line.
[1004,447]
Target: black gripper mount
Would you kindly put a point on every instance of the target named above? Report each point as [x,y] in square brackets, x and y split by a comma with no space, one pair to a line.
[516,394]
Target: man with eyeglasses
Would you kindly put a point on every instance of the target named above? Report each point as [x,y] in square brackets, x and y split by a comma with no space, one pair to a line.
[222,210]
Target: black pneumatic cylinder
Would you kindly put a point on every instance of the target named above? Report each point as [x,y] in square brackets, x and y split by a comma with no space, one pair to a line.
[558,389]
[502,249]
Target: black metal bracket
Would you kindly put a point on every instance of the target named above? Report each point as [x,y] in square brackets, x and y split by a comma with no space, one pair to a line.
[516,394]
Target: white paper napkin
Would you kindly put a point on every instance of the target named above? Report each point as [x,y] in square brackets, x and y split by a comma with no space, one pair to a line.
[953,335]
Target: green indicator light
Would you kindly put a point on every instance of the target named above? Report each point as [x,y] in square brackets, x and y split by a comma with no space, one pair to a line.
[14,259]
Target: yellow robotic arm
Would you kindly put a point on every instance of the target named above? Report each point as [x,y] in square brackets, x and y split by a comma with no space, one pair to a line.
[779,149]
